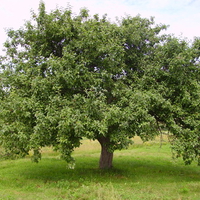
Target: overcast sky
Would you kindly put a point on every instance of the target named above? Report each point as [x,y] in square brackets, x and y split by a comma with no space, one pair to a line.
[183,16]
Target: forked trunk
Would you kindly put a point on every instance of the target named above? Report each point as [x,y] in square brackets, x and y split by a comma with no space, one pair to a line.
[106,157]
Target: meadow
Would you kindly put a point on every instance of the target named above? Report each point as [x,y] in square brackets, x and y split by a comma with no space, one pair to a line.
[144,171]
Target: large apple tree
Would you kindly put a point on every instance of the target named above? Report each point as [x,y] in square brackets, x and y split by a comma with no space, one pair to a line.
[67,77]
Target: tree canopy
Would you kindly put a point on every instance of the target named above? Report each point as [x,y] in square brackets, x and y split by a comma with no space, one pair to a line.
[66,77]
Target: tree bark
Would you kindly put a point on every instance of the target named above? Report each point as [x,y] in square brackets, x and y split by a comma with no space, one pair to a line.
[106,157]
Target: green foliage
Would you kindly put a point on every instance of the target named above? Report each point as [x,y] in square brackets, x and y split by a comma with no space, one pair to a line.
[66,77]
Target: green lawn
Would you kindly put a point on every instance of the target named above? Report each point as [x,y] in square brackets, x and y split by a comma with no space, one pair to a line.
[144,171]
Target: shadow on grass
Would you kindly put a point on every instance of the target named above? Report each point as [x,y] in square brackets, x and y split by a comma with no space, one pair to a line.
[127,169]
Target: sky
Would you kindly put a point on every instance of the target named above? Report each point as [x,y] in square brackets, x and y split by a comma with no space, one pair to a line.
[183,16]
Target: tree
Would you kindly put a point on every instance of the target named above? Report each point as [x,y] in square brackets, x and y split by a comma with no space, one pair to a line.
[66,77]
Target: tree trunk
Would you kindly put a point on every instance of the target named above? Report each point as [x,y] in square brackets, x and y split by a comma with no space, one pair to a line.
[106,157]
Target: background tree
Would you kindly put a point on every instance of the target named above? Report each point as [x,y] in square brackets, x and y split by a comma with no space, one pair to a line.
[67,77]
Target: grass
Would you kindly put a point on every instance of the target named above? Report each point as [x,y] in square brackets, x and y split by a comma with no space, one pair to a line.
[144,171]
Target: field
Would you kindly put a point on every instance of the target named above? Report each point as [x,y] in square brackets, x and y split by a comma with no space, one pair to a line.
[144,171]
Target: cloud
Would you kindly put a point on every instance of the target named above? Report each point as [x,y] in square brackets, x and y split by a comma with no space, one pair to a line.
[191,2]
